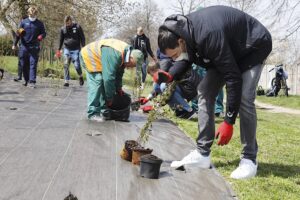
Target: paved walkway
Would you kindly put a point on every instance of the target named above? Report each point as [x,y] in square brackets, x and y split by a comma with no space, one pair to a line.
[48,148]
[276,109]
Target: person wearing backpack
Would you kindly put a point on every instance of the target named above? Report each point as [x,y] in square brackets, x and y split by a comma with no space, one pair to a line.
[72,37]
[142,43]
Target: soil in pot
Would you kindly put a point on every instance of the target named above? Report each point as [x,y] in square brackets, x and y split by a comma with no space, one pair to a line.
[150,166]
[138,152]
[126,152]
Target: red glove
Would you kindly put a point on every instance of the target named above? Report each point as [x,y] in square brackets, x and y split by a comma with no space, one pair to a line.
[58,54]
[109,103]
[162,76]
[40,37]
[147,109]
[225,132]
[143,100]
[121,92]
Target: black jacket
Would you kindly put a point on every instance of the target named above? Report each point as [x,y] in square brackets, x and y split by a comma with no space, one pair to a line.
[72,37]
[142,43]
[188,78]
[226,39]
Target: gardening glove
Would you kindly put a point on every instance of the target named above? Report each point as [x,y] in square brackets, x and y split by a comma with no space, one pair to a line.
[21,32]
[58,54]
[143,100]
[40,37]
[225,132]
[120,92]
[147,109]
[109,103]
[162,76]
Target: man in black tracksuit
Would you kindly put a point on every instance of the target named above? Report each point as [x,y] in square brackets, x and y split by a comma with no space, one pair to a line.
[232,46]
[142,42]
[72,37]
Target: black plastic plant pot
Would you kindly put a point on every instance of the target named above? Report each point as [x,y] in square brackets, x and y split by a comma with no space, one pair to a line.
[150,166]
[120,108]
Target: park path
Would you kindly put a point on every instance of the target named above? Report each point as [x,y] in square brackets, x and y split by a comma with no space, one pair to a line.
[276,109]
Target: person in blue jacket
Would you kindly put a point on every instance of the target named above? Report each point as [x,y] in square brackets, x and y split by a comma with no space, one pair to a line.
[33,32]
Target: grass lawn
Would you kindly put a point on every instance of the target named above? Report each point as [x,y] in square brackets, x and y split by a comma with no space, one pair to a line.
[289,102]
[10,64]
[278,158]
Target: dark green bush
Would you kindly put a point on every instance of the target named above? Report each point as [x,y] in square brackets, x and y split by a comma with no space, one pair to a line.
[6,43]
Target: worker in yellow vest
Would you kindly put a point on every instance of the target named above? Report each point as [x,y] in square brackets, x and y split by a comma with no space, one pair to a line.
[104,62]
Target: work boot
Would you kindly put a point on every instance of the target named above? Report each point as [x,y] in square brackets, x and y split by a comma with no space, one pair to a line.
[66,84]
[17,79]
[187,115]
[246,169]
[81,81]
[193,159]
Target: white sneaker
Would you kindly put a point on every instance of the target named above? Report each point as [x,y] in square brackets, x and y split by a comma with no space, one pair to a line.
[246,169]
[31,85]
[193,159]
[97,118]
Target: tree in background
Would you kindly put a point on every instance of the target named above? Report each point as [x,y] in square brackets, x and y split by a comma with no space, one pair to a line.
[145,14]
[185,7]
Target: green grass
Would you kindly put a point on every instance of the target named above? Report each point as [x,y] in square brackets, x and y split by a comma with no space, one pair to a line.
[289,102]
[278,158]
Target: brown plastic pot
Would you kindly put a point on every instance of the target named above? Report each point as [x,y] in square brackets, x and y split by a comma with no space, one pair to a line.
[126,152]
[138,152]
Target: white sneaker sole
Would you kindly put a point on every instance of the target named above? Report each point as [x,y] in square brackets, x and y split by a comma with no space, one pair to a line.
[177,164]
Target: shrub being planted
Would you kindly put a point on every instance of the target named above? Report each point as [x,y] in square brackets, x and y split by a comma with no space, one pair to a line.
[139,151]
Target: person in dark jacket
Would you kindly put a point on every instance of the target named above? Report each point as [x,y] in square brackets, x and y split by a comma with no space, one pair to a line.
[164,61]
[142,43]
[32,32]
[72,37]
[232,46]
[15,36]
[184,92]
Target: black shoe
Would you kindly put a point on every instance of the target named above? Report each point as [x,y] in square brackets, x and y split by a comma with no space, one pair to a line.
[25,83]
[66,85]
[81,82]
[179,112]
[17,79]
[187,115]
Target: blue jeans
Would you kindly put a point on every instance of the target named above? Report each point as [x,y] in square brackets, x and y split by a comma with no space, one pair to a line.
[176,101]
[29,57]
[71,55]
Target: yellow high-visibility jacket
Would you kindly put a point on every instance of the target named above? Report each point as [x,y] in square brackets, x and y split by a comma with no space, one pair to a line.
[91,53]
